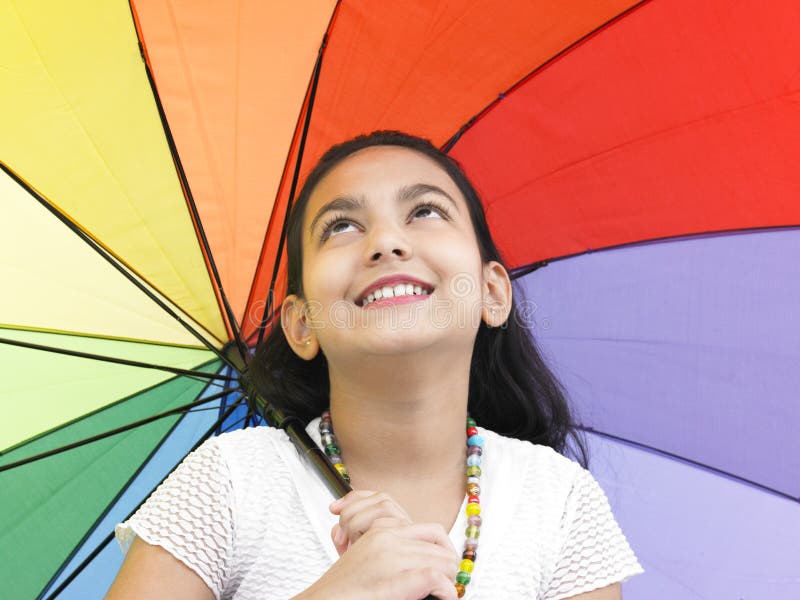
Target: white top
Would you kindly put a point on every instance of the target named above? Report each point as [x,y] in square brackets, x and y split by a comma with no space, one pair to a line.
[250,517]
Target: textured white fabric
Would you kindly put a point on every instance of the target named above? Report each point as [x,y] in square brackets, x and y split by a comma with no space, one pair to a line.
[251,518]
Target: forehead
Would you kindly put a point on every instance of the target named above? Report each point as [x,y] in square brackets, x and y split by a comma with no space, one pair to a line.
[377,173]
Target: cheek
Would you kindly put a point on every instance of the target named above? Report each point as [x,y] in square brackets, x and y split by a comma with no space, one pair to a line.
[463,265]
[326,278]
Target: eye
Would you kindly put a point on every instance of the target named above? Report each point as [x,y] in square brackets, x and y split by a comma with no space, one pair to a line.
[334,226]
[431,207]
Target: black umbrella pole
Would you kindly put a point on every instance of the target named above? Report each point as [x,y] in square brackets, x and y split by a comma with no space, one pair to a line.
[296,430]
[306,446]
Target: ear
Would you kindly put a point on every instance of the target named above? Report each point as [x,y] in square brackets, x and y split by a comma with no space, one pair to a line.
[497,294]
[296,328]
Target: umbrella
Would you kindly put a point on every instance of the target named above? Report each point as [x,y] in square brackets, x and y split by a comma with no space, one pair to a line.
[638,164]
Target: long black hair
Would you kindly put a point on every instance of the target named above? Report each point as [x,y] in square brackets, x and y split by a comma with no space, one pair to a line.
[511,389]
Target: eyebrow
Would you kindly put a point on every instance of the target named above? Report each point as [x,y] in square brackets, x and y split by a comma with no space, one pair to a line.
[404,194]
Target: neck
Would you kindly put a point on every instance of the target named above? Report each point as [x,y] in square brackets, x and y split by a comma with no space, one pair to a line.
[401,424]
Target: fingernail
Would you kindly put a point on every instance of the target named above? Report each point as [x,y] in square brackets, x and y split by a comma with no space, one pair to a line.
[335,504]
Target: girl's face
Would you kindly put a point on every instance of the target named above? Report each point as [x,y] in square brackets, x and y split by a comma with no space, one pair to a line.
[390,211]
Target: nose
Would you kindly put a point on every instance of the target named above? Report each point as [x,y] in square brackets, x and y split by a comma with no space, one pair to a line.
[385,242]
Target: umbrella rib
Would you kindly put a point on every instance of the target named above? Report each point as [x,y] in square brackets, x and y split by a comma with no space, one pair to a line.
[715,470]
[231,426]
[173,148]
[448,145]
[112,260]
[99,548]
[177,410]
[122,361]
[293,188]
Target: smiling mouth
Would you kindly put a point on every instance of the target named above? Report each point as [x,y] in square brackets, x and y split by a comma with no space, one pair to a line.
[395,294]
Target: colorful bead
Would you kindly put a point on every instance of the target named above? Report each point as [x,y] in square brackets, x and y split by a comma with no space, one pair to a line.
[471,422]
[474,450]
[471,543]
[473,479]
[473,532]
[474,499]
[472,431]
[475,440]
[466,565]
[473,471]
[473,460]
[474,520]
[463,577]
[473,489]
[473,509]
[460,590]
[470,554]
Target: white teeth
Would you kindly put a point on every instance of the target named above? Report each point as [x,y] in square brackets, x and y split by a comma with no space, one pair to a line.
[401,289]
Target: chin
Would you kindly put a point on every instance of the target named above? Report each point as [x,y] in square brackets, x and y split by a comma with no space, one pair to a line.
[387,342]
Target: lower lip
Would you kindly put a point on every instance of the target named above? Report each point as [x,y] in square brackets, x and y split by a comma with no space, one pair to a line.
[394,301]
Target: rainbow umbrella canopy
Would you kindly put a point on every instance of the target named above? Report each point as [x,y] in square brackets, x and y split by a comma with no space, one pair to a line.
[639,163]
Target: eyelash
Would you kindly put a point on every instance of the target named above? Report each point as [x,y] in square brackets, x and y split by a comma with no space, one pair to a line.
[336,218]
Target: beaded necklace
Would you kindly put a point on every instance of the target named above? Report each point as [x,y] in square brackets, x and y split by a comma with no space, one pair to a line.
[473,510]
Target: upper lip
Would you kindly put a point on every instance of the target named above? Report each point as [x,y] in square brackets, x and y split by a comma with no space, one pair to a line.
[391,280]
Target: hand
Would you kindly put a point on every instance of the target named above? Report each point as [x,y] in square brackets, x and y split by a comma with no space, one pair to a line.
[384,555]
[362,510]
[403,562]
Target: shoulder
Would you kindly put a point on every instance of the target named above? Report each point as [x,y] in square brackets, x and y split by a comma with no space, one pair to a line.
[533,461]
[525,497]
[532,481]
[249,453]
[560,514]
[253,440]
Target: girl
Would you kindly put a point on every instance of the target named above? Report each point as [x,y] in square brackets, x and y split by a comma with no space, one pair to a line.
[400,318]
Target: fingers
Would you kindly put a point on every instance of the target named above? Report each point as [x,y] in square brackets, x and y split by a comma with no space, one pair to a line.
[430,566]
[337,505]
[433,582]
[433,533]
[361,499]
[339,539]
[357,519]
[359,511]
[423,548]
[395,560]
[416,549]
[415,546]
